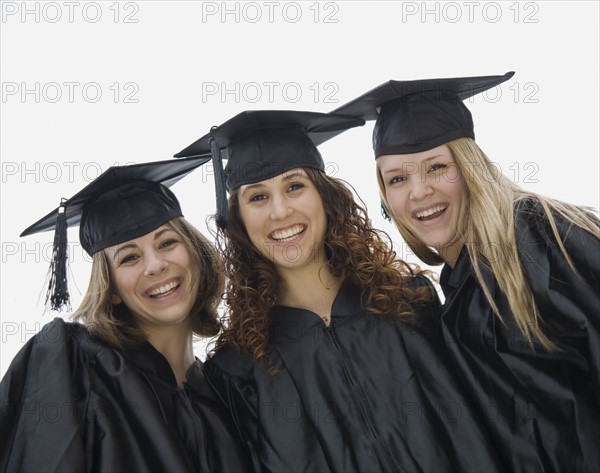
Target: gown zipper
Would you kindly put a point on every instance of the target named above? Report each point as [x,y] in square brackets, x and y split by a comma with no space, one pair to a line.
[357,398]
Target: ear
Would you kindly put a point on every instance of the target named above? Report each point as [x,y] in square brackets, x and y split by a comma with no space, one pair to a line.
[115,298]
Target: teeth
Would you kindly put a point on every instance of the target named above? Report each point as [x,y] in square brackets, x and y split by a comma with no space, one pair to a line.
[431,211]
[285,234]
[166,288]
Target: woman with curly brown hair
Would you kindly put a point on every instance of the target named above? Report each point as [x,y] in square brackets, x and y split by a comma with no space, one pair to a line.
[326,363]
[122,391]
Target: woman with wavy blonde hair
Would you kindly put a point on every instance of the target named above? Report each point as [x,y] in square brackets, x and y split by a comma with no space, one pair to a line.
[326,363]
[522,314]
[122,390]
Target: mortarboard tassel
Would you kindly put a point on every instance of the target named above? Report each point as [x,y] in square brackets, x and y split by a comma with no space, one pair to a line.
[217,161]
[57,292]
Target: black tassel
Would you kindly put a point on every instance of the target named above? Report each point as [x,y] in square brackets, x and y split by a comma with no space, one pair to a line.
[58,292]
[217,160]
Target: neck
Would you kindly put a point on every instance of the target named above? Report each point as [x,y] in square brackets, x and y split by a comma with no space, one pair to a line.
[175,344]
[451,253]
[312,288]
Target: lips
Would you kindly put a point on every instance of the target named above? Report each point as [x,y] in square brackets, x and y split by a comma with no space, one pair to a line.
[430,213]
[164,289]
[287,234]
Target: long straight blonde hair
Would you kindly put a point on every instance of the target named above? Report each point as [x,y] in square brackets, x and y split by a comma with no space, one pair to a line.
[490,236]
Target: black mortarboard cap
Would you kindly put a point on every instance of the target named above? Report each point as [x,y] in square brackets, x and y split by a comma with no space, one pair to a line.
[418,115]
[123,203]
[261,144]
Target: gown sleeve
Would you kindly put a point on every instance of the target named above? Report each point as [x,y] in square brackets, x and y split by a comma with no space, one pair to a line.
[41,408]
[237,396]
[569,302]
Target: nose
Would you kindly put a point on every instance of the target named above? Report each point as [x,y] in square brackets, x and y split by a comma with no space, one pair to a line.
[280,208]
[419,188]
[155,263]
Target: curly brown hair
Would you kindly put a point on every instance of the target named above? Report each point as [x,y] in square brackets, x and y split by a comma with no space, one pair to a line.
[355,251]
[114,323]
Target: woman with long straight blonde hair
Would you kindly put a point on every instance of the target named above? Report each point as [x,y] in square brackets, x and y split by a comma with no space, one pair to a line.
[521,278]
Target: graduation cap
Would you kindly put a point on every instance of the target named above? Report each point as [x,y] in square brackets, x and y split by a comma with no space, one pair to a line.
[419,115]
[123,203]
[262,144]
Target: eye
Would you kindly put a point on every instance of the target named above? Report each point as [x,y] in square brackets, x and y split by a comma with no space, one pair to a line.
[436,166]
[129,258]
[295,186]
[257,197]
[397,179]
[168,243]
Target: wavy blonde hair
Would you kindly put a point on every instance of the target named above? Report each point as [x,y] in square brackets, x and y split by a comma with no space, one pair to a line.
[487,233]
[114,323]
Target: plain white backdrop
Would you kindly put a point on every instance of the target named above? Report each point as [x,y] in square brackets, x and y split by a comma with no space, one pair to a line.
[87,85]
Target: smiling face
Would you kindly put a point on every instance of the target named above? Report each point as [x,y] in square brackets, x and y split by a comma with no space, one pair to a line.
[153,276]
[285,219]
[427,193]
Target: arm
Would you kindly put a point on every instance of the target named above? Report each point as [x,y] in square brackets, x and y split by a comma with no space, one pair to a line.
[569,302]
[40,410]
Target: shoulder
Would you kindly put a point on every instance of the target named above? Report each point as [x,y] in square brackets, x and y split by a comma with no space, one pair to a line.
[69,345]
[71,335]
[53,353]
[529,212]
[543,258]
[58,335]
[52,342]
[421,281]
[232,377]
[533,227]
[415,282]
[229,361]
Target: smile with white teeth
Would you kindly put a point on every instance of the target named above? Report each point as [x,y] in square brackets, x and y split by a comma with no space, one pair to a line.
[431,211]
[159,291]
[287,234]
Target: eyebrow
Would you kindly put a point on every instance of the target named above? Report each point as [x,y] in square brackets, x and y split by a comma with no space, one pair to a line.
[426,160]
[295,175]
[159,233]
[122,248]
[251,186]
[434,157]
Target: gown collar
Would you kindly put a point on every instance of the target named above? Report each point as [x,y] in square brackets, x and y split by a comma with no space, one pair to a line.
[451,279]
[347,302]
[153,363]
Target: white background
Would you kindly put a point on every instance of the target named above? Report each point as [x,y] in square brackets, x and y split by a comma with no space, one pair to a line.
[181,67]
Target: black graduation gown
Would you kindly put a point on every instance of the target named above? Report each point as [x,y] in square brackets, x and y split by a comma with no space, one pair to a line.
[71,403]
[367,393]
[545,406]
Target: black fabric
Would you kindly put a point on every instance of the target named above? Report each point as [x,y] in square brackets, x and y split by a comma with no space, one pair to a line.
[132,210]
[368,393]
[418,115]
[547,404]
[71,403]
[123,203]
[261,144]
